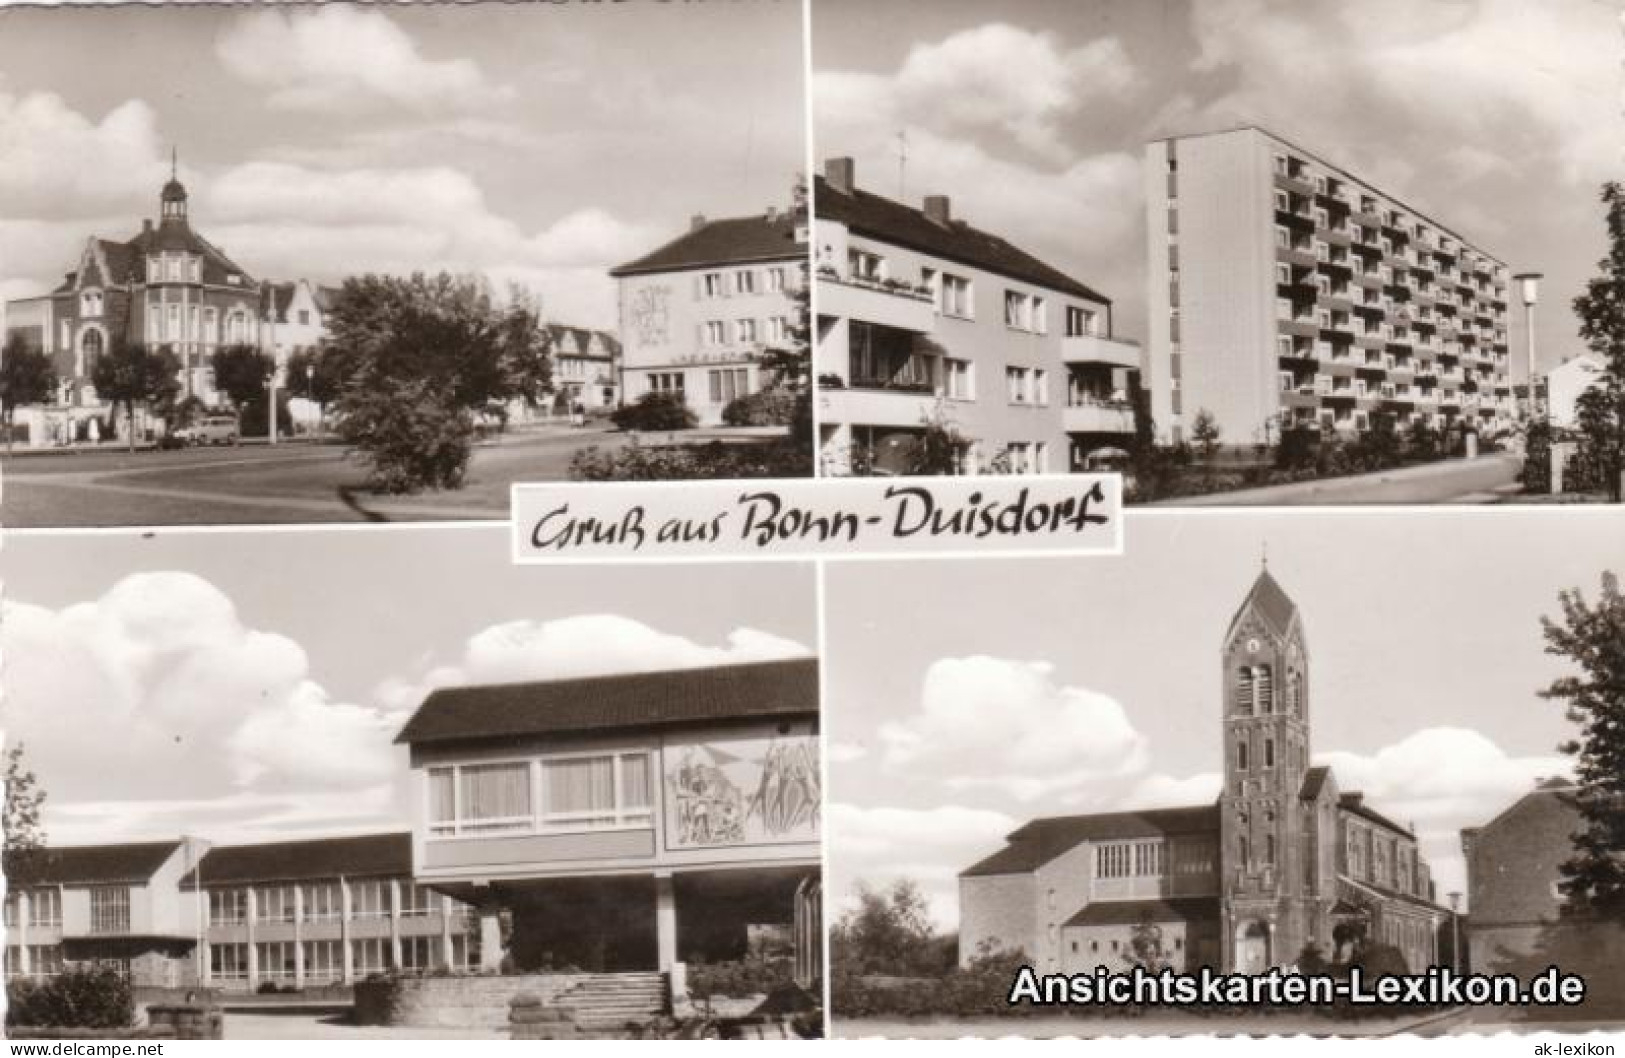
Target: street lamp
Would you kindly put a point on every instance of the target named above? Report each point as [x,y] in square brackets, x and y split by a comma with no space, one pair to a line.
[1455,931]
[1529,294]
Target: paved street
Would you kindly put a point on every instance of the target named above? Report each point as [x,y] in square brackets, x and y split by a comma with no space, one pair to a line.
[1453,481]
[301,1025]
[295,482]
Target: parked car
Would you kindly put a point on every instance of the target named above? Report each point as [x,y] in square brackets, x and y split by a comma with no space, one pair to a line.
[210,430]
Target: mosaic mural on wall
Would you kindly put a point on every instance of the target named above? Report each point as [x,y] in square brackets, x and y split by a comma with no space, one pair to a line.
[743,792]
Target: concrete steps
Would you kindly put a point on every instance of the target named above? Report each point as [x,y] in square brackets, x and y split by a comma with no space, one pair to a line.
[610,1001]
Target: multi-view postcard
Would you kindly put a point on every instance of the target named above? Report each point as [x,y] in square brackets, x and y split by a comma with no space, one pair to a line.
[802,520]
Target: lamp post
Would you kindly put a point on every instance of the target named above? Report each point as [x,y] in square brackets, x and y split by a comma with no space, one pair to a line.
[1529,294]
[1455,931]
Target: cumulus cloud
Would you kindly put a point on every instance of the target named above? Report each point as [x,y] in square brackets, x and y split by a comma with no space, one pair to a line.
[581,646]
[930,846]
[338,58]
[1519,80]
[992,723]
[56,163]
[161,683]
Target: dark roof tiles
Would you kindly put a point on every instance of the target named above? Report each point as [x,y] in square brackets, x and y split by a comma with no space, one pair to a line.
[881,218]
[720,242]
[1043,840]
[134,862]
[624,702]
[365,855]
[1131,912]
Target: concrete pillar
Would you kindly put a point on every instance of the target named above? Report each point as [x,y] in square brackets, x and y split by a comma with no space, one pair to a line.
[394,891]
[490,937]
[299,936]
[446,952]
[348,957]
[252,911]
[665,921]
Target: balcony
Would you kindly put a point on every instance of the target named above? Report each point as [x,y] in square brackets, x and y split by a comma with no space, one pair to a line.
[1093,349]
[901,306]
[908,408]
[1089,415]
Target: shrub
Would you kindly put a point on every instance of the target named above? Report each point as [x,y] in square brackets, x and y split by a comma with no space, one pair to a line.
[769,407]
[409,439]
[655,411]
[714,460]
[74,999]
[750,976]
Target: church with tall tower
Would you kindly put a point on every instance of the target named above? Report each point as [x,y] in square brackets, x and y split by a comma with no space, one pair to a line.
[1280,862]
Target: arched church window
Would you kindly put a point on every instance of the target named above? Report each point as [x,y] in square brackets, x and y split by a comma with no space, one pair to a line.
[1269,753]
[1294,693]
[1241,850]
[1264,689]
[1241,756]
[1269,849]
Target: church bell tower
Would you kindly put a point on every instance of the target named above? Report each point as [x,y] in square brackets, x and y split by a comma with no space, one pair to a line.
[1264,907]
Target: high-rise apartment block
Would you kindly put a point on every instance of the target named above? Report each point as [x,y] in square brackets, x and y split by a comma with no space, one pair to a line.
[1286,292]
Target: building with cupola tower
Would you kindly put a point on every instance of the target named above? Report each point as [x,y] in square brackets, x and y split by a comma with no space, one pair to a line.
[1281,860]
[165,286]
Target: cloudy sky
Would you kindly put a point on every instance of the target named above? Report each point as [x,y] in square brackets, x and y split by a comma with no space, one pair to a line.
[1500,117]
[963,700]
[542,143]
[248,686]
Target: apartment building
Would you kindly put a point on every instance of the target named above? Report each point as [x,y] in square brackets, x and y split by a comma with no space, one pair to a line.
[183,913]
[697,313]
[923,318]
[1278,862]
[633,823]
[299,914]
[1286,293]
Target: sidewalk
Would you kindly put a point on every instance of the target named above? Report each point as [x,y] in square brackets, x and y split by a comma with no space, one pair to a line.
[1485,479]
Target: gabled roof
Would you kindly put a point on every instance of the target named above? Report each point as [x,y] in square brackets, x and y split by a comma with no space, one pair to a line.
[177,236]
[1354,803]
[1314,780]
[583,338]
[892,222]
[132,863]
[610,703]
[365,855]
[1043,840]
[736,240]
[1270,602]
[1130,912]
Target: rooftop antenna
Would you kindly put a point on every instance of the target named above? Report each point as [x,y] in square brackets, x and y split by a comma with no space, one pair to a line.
[174,162]
[1264,554]
[902,163]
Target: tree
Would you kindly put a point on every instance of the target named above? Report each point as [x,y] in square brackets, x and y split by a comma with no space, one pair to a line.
[889,932]
[23,820]
[26,377]
[241,372]
[129,374]
[1592,637]
[1205,432]
[421,356]
[1601,308]
[318,375]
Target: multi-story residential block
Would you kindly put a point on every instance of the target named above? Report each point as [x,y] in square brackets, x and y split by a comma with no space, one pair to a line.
[923,318]
[1516,921]
[293,318]
[696,314]
[627,823]
[586,366]
[1286,292]
[106,905]
[1279,862]
[181,913]
[322,911]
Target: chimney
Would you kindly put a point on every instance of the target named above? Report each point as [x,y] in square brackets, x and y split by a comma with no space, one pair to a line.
[772,214]
[696,222]
[937,209]
[841,175]
[146,226]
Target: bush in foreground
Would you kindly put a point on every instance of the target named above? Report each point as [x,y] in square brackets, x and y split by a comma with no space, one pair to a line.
[655,412]
[73,999]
